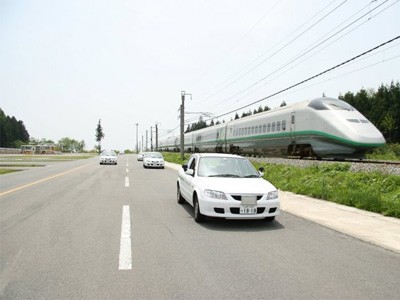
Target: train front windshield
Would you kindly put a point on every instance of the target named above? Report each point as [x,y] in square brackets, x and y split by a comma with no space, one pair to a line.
[330,104]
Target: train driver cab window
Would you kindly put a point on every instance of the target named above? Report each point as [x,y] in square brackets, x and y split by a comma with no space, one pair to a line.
[278,126]
[273,126]
[330,104]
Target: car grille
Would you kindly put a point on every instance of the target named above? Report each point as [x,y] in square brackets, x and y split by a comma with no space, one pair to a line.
[239,197]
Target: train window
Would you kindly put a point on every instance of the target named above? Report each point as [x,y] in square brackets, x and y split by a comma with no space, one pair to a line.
[264,128]
[278,126]
[284,125]
[256,130]
[259,128]
[269,127]
[273,126]
[252,130]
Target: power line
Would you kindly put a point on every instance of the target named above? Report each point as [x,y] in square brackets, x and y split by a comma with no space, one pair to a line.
[240,39]
[310,78]
[277,51]
[308,51]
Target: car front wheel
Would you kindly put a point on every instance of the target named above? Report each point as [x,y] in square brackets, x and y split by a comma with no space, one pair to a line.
[198,216]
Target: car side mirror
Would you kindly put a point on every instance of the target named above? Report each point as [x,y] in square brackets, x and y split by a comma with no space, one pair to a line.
[261,171]
[184,167]
[189,172]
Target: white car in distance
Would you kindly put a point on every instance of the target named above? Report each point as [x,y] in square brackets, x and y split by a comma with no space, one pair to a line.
[108,158]
[140,156]
[153,160]
[226,186]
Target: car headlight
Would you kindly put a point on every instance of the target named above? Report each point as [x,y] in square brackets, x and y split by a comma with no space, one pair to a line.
[215,194]
[272,195]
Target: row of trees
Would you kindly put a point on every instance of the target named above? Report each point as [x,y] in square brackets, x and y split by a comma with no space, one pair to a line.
[381,107]
[65,144]
[13,133]
[203,124]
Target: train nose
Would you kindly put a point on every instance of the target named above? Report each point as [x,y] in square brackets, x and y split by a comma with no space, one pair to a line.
[367,133]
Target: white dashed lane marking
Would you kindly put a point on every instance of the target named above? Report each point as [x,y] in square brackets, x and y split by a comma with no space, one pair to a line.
[125,249]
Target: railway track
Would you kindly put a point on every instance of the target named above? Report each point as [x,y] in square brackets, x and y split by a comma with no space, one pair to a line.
[356,165]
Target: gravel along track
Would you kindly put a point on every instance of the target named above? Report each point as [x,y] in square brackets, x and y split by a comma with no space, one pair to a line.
[386,168]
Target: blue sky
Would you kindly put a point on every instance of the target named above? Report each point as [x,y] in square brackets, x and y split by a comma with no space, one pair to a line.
[66,64]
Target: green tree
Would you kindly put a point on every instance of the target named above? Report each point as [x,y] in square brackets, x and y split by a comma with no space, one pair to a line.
[99,135]
[12,131]
[70,145]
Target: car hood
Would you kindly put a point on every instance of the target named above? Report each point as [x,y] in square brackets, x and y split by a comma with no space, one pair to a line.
[236,185]
[108,156]
[153,159]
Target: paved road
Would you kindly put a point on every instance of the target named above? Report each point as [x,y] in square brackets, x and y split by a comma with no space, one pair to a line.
[65,234]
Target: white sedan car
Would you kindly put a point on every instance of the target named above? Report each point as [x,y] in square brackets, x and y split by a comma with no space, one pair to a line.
[226,186]
[153,160]
[140,156]
[108,157]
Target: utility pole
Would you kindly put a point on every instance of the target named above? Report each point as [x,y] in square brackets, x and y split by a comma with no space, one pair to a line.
[156,137]
[146,138]
[151,138]
[137,145]
[182,146]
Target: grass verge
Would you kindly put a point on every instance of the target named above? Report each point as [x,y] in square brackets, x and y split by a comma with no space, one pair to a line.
[374,192]
[6,171]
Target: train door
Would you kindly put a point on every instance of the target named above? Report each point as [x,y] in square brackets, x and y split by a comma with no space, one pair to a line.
[293,128]
[220,140]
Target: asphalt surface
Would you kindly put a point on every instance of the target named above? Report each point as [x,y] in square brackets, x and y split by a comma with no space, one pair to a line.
[62,232]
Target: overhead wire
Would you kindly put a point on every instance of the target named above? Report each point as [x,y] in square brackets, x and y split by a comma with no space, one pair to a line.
[241,39]
[307,58]
[277,51]
[308,51]
[310,78]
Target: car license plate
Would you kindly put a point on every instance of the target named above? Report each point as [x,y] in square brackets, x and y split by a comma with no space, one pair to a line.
[248,209]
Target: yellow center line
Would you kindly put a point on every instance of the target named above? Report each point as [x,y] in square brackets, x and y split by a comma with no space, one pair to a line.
[41,180]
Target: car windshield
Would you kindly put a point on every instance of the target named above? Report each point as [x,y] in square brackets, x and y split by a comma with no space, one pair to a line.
[154,155]
[226,167]
[108,153]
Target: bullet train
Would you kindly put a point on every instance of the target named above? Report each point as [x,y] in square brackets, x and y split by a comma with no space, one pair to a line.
[319,128]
